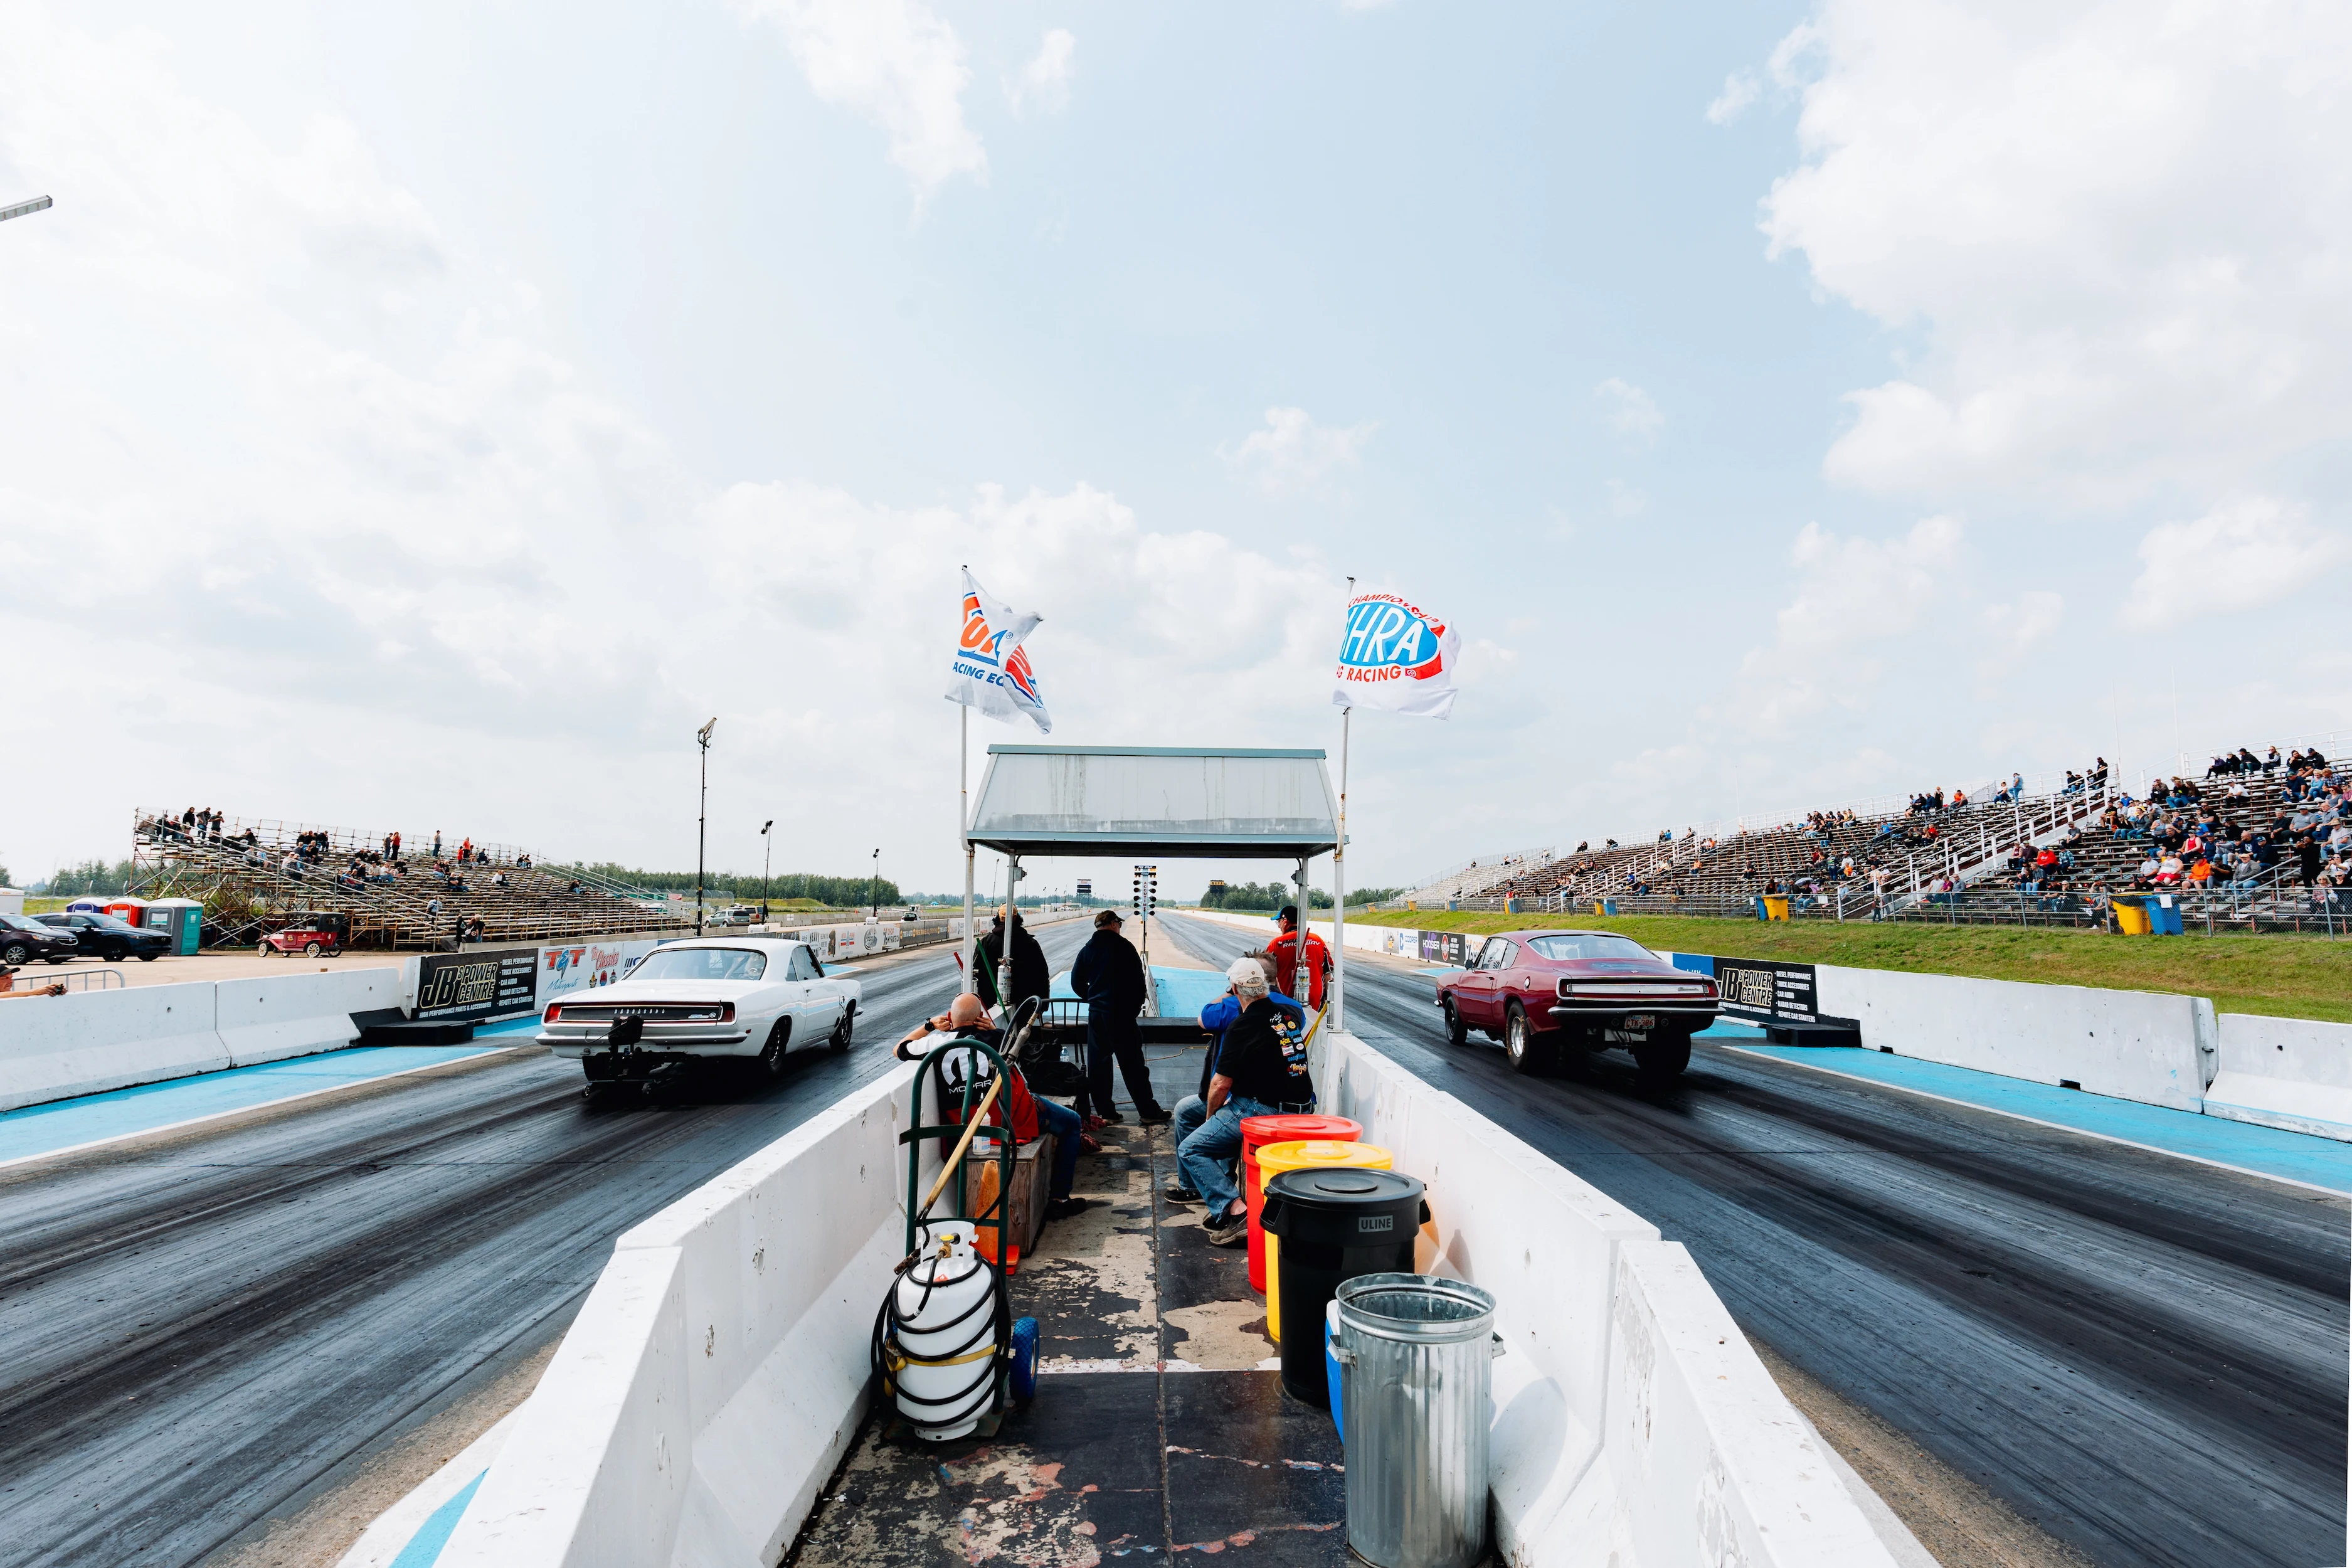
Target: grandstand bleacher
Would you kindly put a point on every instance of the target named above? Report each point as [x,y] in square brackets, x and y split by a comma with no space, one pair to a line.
[1976,863]
[256,876]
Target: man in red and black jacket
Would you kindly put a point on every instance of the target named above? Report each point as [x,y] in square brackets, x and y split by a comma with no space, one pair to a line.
[1284,950]
[967,1018]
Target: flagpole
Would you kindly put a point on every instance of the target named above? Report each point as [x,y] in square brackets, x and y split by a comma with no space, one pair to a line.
[1339,885]
[963,826]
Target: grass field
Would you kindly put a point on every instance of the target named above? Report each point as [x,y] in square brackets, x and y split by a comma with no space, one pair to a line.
[2285,976]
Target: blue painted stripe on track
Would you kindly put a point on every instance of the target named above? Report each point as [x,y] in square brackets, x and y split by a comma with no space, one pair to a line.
[423,1548]
[2262,1151]
[119,1113]
[1184,992]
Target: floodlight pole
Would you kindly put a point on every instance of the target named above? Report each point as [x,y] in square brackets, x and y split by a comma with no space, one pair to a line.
[39,204]
[767,849]
[702,820]
[874,887]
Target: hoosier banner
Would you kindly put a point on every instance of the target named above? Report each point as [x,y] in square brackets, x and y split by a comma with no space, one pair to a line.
[991,671]
[1395,656]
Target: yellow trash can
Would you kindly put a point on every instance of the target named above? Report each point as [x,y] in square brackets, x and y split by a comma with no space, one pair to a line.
[2131,920]
[1776,908]
[1315,1153]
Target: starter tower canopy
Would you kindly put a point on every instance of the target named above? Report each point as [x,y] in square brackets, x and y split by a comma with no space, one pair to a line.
[1156,802]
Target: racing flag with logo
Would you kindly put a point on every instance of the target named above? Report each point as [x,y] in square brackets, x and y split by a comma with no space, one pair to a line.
[1396,655]
[991,673]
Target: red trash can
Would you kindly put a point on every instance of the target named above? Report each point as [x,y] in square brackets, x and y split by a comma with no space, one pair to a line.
[1262,1130]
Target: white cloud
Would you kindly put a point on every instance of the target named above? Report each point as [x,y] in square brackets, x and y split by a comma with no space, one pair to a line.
[1631,414]
[1853,598]
[1294,454]
[2013,630]
[2245,556]
[1741,89]
[1043,83]
[2122,233]
[895,64]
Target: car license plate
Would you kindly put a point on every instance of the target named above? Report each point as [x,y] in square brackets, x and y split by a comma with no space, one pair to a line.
[1641,1020]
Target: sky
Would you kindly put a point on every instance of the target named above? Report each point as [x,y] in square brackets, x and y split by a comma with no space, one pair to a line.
[427,416]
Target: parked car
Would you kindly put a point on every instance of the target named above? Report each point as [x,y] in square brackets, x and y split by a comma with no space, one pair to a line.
[312,935]
[104,936]
[1548,993]
[23,939]
[747,999]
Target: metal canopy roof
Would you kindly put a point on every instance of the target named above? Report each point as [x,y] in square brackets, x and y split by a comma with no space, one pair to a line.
[1172,802]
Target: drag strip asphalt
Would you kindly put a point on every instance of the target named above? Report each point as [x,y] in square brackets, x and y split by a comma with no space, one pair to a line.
[2141,1355]
[205,1330]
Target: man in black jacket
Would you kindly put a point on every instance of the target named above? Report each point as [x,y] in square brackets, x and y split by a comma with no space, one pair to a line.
[1030,977]
[1110,976]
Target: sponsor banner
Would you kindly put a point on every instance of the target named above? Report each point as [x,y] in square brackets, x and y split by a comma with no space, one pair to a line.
[583,966]
[1395,656]
[488,983]
[1767,992]
[1445,947]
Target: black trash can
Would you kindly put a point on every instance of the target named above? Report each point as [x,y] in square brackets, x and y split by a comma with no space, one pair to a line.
[1335,1224]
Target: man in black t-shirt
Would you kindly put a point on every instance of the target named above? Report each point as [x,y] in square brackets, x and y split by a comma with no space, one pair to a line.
[1261,1071]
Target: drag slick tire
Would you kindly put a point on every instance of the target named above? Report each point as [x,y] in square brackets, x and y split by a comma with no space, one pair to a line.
[1458,1033]
[1662,1061]
[772,1054]
[1526,1053]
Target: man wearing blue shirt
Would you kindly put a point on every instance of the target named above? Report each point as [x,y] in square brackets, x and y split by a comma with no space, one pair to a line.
[1257,1070]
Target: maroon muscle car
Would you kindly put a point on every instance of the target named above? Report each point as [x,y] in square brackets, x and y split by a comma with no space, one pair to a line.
[1548,993]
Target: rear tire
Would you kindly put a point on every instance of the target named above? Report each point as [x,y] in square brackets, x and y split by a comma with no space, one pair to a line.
[311,950]
[1527,1055]
[772,1054]
[1662,1061]
[148,957]
[1458,1033]
[838,1041]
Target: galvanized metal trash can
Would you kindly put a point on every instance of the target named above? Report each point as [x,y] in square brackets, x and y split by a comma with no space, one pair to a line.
[1415,1353]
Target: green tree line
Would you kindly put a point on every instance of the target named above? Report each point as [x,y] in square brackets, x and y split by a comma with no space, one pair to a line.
[90,877]
[833,892]
[1272,896]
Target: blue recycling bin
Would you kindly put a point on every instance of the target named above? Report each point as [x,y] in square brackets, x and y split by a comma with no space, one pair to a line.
[2164,915]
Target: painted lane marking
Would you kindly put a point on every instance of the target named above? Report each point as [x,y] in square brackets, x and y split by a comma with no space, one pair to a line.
[423,1548]
[2324,1164]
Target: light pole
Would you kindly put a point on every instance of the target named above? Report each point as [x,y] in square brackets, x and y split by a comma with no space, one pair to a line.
[874,887]
[702,820]
[766,846]
[39,204]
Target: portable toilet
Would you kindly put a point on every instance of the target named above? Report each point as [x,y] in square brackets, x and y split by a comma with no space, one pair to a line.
[183,918]
[12,901]
[129,911]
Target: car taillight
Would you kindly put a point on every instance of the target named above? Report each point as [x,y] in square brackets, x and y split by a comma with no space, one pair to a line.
[554,1011]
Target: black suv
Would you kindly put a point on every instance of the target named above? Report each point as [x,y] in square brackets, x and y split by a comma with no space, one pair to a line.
[23,941]
[106,936]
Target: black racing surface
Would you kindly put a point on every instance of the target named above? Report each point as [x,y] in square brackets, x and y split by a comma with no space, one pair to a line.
[2143,1355]
[195,1336]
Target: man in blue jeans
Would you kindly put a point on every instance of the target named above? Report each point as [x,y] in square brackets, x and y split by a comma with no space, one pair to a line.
[1261,1071]
[1216,1018]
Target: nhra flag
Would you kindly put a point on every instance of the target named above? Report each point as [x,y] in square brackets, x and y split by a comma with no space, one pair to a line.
[1396,655]
[991,673]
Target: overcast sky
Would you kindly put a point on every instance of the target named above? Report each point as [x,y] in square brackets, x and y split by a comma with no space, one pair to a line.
[428,415]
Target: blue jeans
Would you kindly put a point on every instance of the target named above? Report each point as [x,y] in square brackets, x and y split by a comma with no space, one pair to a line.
[1064,1124]
[1190,1112]
[1203,1155]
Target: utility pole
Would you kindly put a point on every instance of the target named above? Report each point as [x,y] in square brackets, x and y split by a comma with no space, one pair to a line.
[873,888]
[767,847]
[702,820]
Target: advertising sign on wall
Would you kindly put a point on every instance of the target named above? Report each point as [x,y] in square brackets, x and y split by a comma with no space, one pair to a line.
[1776,996]
[581,966]
[454,986]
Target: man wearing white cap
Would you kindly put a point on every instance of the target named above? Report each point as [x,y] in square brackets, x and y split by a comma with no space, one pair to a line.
[1261,1071]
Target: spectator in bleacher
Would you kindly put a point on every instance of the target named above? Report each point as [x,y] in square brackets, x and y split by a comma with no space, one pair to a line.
[2271,763]
[465,852]
[432,911]
[292,866]
[437,844]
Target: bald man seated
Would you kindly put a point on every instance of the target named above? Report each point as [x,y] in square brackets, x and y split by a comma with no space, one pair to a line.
[967,1018]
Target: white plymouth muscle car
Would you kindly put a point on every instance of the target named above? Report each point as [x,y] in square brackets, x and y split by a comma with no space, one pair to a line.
[746,998]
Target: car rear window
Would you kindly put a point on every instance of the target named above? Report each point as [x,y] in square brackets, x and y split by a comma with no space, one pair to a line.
[702,963]
[1590,944]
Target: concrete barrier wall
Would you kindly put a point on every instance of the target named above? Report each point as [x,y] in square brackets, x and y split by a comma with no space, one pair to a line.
[1632,1422]
[2134,1045]
[2294,1073]
[269,1019]
[88,1042]
[716,1373]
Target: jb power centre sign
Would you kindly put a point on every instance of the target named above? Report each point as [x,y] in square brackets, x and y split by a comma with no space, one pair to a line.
[1779,995]
[455,986]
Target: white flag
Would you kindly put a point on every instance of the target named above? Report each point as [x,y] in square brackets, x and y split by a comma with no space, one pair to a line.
[991,673]
[1395,656]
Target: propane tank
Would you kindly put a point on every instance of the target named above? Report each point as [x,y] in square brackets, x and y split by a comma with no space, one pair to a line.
[944,1332]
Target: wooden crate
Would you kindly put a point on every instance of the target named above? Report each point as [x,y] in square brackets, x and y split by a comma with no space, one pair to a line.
[1032,1166]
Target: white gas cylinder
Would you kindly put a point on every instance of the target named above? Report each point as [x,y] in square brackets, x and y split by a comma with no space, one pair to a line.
[943,1332]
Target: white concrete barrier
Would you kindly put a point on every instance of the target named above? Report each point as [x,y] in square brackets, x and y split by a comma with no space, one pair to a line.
[1633,1423]
[271,1017]
[2134,1044]
[718,1372]
[2294,1073]
[88,1042]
